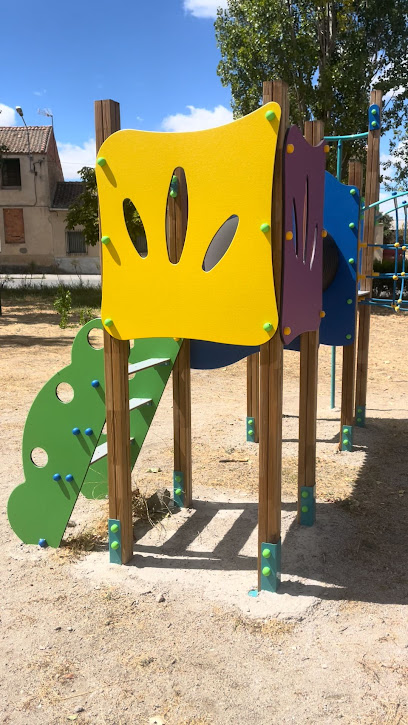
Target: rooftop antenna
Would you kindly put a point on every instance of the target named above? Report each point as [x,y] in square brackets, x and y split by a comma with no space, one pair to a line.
[46,112]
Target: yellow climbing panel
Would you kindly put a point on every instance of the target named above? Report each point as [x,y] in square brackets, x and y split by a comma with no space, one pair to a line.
[229,172]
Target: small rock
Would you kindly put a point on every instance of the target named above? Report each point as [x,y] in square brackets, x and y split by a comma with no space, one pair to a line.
[71,524]
[160,598]
[58,629]
[79,709]
[70,629]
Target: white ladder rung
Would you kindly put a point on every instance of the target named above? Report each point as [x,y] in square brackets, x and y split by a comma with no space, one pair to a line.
[138,402]
[102,451]
[145,364]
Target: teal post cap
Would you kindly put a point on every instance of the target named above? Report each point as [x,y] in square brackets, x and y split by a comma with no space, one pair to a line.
[114,528]
[115,545]
[266,553]
[266,570]
[57,476]
[270,115]
[351,260]
[105,240]
[101,161]
[178,491]
[265,227]
[108,322]
[268,326]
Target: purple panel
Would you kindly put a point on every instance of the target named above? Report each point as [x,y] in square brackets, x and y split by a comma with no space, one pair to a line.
[302,281]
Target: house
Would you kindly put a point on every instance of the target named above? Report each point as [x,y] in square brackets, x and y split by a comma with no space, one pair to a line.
[34,199]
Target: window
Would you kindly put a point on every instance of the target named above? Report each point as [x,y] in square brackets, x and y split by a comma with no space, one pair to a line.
[76,243]
[10,173]
[13,226]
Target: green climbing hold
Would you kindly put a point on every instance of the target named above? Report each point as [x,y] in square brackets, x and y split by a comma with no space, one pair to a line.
[266,570]
[108,322]
[115,545]
[265,228]
[352,192]
[351,260]
[346,442]
[345,430]
[268,326]
[114,528]
[348,337]
[178,491]
[173,193]
[351,225]
[101,161]
[270,115]
[177,479]
[349,301]
[105,240]
[250,432]
[266,553]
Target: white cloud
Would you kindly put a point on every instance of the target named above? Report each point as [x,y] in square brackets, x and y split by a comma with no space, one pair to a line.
[75,157]
[197,119]
[204,8]
[393,94]
[40,93]
[8,116]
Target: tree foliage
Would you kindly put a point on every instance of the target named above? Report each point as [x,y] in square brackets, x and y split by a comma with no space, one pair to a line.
[330,54]
[84,211]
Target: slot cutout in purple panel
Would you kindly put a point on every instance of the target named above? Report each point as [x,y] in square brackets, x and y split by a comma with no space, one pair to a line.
[302,282]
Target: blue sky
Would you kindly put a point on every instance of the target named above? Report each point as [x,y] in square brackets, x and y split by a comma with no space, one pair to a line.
[158,59]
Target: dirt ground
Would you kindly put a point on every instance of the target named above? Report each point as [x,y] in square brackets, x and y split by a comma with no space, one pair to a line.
[174,638]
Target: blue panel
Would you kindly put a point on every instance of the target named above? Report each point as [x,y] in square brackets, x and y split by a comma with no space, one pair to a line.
[178,488]
[307,505]
[115,541]
[209,355]
[341,208]
[360,416]
[270,563]
[374,118]
[347,438]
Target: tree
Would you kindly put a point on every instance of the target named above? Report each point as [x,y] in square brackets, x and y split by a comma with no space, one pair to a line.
[329,53]
[84,211]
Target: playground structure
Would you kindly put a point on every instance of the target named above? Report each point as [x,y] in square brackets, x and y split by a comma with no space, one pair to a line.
[207,297]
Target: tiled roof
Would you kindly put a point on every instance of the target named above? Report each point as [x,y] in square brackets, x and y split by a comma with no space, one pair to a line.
[15,138]
[65,193]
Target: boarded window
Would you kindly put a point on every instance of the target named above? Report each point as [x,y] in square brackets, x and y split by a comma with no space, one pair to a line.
[76,243]
[13,226]
[10,173]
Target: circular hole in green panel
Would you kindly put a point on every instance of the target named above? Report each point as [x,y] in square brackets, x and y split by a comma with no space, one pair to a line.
[64,392]
[95,338]
[39,457]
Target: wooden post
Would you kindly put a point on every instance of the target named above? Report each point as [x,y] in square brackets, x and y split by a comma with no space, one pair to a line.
[176,231]
[116,355]
[271,360]
[372,189]
[253,393]
[309,350]
[355,173]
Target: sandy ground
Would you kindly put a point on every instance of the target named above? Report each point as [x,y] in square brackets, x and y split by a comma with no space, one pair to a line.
[85,641]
